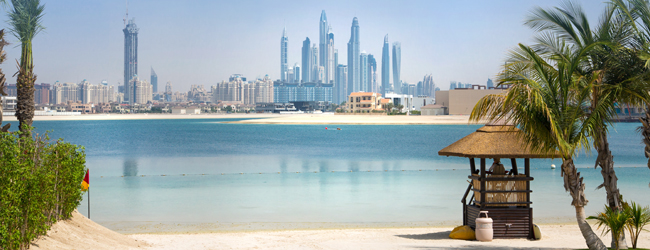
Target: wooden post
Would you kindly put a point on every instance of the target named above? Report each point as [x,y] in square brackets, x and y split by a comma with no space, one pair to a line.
[527,171]
[472,164]
[482,180]
[515,171]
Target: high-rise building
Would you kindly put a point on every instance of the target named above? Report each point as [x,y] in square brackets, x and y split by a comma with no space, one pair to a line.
[372,74]
[42,93]
[354,54]
[330,67]
[143,91]
[385,67]
[397,63]
[364,72]
[428,87]
[306,60]
[341,84]
[323,43]
[452,85]
[264,90]
[130,59]
[154,80]
[296,73]
[168,92]
[290,76]
[490,84]
[314,63]
[284,66]
[238,90]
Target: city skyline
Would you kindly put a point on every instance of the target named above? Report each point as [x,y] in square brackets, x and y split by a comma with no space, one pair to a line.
[448,40]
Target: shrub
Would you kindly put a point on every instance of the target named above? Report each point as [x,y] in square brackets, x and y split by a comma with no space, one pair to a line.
[39,184]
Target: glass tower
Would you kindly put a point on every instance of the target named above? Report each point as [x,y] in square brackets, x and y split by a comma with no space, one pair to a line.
[284,67]
[397,62]
[130,59]
[306,60]
[323,56]
[154,80]
[353,58]
[385,67]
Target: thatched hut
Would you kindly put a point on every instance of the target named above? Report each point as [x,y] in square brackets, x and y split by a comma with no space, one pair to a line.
[505,194]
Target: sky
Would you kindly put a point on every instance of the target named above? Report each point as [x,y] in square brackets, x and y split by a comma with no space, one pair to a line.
[205,41]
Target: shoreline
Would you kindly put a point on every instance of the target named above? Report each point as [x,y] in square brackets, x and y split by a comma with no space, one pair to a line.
[178,227]
[295,119]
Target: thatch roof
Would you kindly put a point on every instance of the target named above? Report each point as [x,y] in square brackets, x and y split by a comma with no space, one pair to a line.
[493,141]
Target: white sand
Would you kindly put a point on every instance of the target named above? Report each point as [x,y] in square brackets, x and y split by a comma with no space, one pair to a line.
[554,237]
[81,233]
[274,118]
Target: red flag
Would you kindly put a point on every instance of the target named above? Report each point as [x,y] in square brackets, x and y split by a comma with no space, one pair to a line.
[86,182]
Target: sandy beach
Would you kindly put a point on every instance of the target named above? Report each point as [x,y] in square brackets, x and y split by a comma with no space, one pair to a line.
[275,118]
[82,233]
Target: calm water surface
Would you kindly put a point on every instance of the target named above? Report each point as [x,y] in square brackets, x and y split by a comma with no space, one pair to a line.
[204,175]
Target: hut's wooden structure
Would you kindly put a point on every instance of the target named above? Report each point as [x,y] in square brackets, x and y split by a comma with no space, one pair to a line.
[506,196]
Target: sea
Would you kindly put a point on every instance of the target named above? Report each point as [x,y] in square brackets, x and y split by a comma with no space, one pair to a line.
[207,175]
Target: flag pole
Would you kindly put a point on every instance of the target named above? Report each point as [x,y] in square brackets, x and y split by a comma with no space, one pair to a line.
[88,193]
[88,201]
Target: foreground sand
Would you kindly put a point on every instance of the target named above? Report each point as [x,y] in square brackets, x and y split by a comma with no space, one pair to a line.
[554,237]
[82,233]
[274,118]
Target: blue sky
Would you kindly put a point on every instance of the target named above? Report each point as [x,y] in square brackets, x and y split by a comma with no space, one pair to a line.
[204,41]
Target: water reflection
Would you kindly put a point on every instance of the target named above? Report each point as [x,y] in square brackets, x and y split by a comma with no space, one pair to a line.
[130,167]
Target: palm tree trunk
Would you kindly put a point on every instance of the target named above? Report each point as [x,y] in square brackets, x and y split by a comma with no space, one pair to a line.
[606,162]
[25,105]
[645,132]
[573,184]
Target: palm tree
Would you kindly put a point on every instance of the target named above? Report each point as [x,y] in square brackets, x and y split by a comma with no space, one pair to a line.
[639,218]
[3,56]
[550,101]
[25,20]
[621,77]
[637,13]
[614,222]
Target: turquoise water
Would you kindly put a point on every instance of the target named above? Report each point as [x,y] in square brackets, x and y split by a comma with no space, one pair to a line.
[204,175]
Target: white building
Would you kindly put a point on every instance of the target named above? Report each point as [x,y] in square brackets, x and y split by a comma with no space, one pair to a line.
[401,99]
[186,111]
[9,103]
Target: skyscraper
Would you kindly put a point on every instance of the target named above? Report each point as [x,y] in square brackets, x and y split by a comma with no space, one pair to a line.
[306,60]
[323,42]
[372,73]
[341,87]
[296,73]
[397,63]
[284,67]
[363,72]
[354,55]
[314,63]
[130,59]
[385,68]
[428,86]
[490,84]
[154,80]
[330,68]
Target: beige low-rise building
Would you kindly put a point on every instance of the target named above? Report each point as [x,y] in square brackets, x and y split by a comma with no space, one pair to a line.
[462,101]
[433,109]
[364,102]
